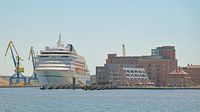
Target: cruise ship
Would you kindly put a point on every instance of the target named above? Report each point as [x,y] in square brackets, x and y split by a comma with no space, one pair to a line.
[61,67]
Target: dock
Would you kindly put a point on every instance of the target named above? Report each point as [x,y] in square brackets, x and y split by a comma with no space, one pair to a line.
[140,88]
[161,88]
[19,86]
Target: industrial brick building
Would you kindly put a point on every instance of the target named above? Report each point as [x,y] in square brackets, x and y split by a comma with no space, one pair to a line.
[109,74]
[157,65]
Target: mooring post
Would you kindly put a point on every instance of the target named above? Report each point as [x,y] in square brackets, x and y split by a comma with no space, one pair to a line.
[74,83]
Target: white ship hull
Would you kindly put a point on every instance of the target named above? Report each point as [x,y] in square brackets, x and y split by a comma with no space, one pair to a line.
[58,78]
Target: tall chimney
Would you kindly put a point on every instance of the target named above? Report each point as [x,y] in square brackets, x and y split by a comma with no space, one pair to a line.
[123,50]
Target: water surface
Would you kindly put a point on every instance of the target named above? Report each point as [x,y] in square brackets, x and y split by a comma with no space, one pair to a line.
[36,100]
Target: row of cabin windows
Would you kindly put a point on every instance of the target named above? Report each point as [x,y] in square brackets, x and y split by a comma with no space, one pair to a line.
[54,56]
[55,53]
[134,71]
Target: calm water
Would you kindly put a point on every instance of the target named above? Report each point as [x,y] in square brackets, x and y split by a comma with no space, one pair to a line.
[35,100]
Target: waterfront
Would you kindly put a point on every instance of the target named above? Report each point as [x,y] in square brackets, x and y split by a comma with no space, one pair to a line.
[36,100]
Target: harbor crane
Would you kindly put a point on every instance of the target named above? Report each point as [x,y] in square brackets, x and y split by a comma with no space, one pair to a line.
[32,57]
[18,68]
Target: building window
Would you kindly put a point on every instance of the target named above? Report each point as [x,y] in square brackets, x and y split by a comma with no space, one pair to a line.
[99,70]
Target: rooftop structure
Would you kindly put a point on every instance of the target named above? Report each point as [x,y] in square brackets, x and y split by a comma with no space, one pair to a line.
[123,50]
[166,52]
[194,66]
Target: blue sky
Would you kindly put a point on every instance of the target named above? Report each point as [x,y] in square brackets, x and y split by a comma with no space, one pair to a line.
[99,27]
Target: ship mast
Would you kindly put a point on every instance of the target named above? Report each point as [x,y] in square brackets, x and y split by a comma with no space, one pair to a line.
[60,43]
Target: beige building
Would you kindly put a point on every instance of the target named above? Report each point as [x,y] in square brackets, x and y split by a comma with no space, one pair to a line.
[194,71]
[178,78]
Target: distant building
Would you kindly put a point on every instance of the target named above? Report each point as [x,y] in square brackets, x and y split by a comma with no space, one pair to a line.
[93,79]
[178,78]
[4,80]
[7,80]
[194,71]
[109,74]
[161,62]
[121,75]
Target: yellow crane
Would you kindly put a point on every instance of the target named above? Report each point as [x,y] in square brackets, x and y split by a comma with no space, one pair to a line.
[16,60]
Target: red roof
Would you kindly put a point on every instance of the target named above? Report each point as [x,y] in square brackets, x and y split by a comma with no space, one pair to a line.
[178,72]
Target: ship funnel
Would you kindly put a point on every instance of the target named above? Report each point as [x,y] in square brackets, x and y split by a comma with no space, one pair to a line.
[123,50]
